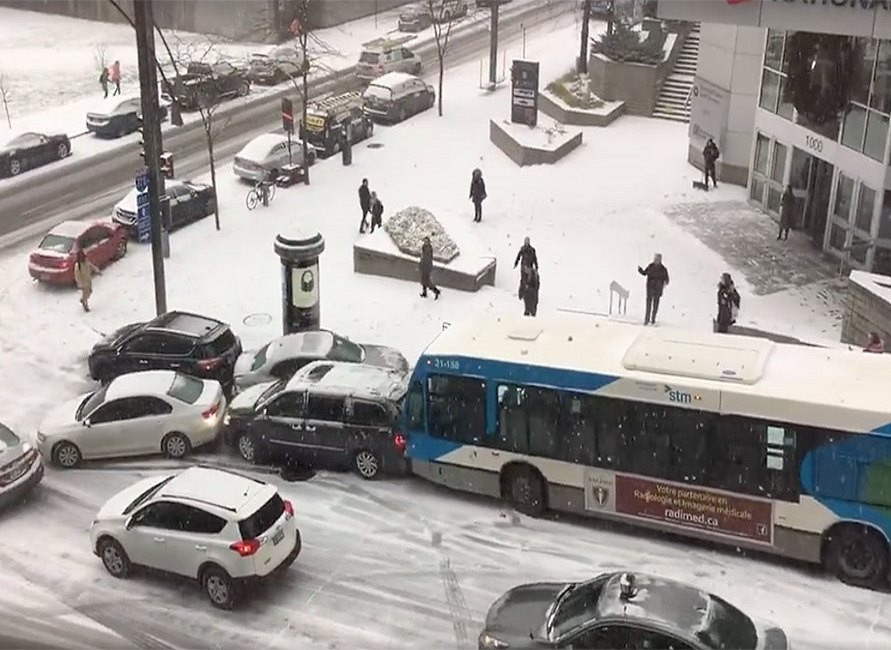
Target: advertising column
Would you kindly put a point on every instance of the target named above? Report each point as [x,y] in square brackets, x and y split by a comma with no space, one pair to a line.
[300,281]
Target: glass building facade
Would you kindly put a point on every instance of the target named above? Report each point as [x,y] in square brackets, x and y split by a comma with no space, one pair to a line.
[837,168]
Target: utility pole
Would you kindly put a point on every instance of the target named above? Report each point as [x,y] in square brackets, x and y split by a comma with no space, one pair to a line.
[144,23]
[582,67]
[493,43]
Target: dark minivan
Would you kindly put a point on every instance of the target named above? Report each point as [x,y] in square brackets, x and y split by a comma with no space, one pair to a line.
[195,345]
[330,415]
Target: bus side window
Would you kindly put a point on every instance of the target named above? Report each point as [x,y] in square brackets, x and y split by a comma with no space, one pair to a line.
[513,423]
[581,443]
[544,421]
[457,408]
[414,407]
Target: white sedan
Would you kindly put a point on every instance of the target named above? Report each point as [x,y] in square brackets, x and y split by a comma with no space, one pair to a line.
[158,411]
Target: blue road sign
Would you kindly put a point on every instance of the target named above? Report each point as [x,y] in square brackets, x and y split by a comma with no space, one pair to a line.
[142,180]
[142,199]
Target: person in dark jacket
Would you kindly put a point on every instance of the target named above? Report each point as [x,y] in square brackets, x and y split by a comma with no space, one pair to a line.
[710,155]
[364,203]
[103,80]
[477,194]
[530,291]
[527,259]
[377,212]
[426,268]
[728,303]
[787,205]
[657,279]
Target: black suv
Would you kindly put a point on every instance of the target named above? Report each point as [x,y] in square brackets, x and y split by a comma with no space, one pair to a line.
[196,345]
[331,415]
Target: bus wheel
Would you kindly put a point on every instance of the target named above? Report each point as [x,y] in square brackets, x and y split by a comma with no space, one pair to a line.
[858,556]
[526,490]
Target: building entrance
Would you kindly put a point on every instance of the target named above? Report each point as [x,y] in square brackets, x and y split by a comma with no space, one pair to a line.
[811,181]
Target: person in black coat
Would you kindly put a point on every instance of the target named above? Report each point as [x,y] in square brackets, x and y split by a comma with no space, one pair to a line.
[426,268]
[530,291]
[377,212]
[364,203]
[787,206]
[710,155]
[728,302]
[477,194]
[528,259]
[657,278]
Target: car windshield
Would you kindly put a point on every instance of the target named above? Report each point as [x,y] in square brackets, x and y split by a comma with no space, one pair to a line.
[186,389]
[369,57]
[378,92]
[57,243]
[344,350]
[7,438]
[727,627]
[148,494]
[91,403]
[259,358]
[574,607]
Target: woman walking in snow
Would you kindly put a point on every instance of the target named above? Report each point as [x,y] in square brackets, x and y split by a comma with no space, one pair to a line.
[477,194]
[728,303]
[84,270]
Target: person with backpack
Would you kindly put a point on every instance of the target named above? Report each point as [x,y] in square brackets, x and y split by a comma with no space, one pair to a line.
[728,303]
[377,212]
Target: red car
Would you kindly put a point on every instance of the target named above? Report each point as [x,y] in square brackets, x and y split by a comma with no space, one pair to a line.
[53,261]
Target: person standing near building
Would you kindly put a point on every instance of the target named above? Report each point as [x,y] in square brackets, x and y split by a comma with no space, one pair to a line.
[530,291]
[426,268]
[377,212]
[103,81]
[787,205]
[527,259]
[657,280]
[116,77]
[728,303]
[477,194]
[84,270]
[710,155]
[364,203]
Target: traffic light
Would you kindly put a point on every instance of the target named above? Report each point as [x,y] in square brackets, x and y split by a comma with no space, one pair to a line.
[141,132]
[287,115]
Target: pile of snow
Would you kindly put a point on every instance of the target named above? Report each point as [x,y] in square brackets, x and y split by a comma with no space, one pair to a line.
[408,227]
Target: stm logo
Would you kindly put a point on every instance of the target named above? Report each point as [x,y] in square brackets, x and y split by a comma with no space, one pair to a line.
[678,396]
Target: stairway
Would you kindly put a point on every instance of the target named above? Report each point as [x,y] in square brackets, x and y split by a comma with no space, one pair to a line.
[672,103]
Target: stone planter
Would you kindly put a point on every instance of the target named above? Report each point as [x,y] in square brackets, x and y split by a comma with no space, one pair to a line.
[555,108]
[524,148]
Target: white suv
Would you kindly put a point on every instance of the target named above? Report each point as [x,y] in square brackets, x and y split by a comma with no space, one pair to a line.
[218,527]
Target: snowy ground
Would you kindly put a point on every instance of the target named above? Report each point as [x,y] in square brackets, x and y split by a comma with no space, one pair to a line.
[370,576]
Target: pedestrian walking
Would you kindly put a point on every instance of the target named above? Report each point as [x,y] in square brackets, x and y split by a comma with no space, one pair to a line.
[364,203]
[477,194]
[84,270]
[103,80]
[377,212]
[426,268]
[657,279]
[728,303]
[875,344]
[710,155]
[116,77]
[527,259]
[530,291]
[787,205]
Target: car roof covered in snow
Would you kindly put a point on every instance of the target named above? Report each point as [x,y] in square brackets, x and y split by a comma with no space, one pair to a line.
[228,491]
[722,373]
[109,104]
[392,79]
[312,345]
[71,229]
[149,382]
[354,379]
[259,147]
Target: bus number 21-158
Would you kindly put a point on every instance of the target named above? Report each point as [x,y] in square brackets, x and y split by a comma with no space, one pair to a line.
[446,364]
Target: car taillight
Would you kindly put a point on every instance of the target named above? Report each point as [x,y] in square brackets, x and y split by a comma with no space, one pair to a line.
[212,411]
[379,67]
[399,441]
[289,509]
[210,364]
[246,548]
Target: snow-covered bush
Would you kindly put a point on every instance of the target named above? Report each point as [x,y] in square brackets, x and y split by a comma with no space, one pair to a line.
[408,227]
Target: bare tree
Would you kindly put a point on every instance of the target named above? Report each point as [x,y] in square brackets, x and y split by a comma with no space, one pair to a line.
[4,97]
[443,20]
[100,56]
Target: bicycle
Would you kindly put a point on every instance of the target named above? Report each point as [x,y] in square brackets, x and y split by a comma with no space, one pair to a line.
[256,193]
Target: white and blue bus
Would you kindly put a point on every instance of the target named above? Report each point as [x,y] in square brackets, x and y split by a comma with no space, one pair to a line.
[782,448]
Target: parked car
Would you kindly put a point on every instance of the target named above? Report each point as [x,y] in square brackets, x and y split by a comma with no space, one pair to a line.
[415,18]
[280,63]
[219,528]
[622,610]
[177,340]
[103,242]
[20,467]
[30,150]
[152,412]
[444,11]
[205,84]
[397,95]
[325,119]
[266,155]
[189,202]
[328,415]
[117,116]
[383,55]
[282,357]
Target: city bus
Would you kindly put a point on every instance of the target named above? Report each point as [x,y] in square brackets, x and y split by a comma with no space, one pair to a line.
[768,446]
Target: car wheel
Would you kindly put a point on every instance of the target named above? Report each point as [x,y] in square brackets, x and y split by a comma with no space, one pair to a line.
[62,150]
[526,491]
[247,448]
[121,249]
[243,90]
[114,558]
[220,588]
[15,166]
[366,464]
[175,445]
[858,556]
[66,455]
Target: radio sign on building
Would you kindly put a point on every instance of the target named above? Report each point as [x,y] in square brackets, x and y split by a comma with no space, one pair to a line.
[524,93]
